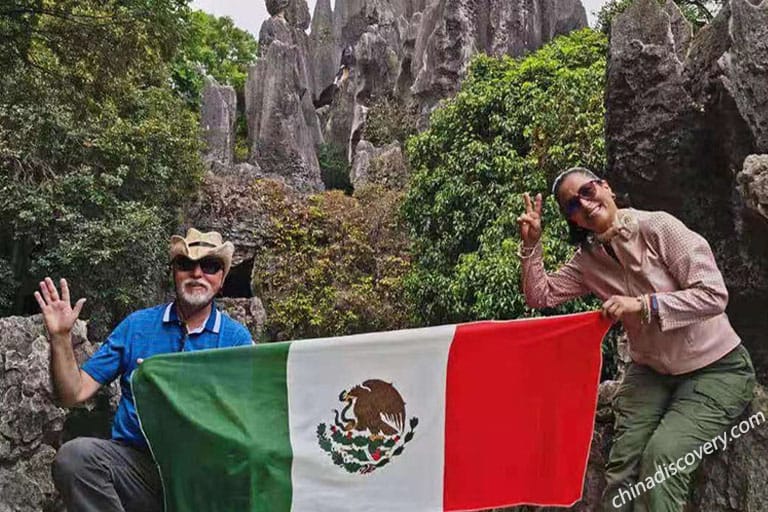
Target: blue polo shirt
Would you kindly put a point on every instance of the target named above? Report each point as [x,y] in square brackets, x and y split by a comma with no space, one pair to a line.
[143,334]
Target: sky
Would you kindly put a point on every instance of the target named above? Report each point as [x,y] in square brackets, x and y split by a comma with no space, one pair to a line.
[250,14]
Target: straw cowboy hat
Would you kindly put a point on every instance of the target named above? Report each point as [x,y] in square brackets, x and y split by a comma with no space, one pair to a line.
[197,245]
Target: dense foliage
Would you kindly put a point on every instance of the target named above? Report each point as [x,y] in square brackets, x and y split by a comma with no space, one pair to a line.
[333,264]
[515,124]
[97,151]
[212,46]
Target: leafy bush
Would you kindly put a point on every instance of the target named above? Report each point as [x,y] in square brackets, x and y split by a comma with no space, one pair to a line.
[514,125]
[333,264]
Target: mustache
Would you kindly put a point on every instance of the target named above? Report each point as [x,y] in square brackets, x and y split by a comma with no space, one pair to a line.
[194,281]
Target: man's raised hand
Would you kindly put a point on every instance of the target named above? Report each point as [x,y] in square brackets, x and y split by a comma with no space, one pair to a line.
[58,314]
[530,221]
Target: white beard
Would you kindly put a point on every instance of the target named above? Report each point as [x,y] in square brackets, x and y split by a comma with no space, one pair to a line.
[198,297]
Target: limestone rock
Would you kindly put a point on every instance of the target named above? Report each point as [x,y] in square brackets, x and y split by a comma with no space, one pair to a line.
[282,126]
[682,115]
[451,32]
[295,12]
[379,166]
[753,184]
[218,117]
[32,426]
[248,311]
[324,49]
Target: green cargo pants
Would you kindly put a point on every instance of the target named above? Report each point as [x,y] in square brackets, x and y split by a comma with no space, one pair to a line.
[663,421]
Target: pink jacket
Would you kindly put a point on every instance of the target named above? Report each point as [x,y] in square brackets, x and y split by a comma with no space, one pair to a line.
[659,255]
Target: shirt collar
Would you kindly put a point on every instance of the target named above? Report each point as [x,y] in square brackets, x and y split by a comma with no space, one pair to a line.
[213,323]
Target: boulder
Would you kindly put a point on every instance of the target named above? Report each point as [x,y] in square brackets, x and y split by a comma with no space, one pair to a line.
[682,115]
[32,426]
[217,119]
[753,186]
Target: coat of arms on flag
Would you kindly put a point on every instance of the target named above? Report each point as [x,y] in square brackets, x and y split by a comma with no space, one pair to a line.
[375,431]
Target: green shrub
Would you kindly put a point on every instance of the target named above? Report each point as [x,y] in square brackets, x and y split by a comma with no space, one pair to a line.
[333,264]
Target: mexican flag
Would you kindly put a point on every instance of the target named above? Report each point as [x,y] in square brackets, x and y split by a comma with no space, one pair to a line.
[456,417]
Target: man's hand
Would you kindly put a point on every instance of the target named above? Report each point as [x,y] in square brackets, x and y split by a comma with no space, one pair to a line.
[58,314]
[619,305]
[530,221]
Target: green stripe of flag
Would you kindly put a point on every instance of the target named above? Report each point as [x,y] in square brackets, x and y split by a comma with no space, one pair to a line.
[236,418]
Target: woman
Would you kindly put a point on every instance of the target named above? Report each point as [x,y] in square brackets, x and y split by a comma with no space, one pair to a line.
[690,377]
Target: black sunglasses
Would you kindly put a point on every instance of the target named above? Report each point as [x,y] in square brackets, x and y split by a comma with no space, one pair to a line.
[209,266]
[586,191]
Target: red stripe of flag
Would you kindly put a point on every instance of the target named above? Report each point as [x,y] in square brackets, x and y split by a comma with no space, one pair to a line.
[521,399]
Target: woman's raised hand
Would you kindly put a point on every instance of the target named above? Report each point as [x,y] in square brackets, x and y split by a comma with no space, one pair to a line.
[530,221]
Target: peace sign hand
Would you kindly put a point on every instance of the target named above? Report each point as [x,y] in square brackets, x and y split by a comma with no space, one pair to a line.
[58,314]
[530,221]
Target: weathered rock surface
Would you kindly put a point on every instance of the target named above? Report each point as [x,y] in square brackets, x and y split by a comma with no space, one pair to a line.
[451,32]
[682,116]
[379,166]
[753,185]
[218,117]
[282,125]
[32,427]
[324,50]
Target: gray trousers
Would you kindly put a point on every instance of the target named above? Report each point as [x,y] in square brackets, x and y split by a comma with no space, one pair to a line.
[101,475]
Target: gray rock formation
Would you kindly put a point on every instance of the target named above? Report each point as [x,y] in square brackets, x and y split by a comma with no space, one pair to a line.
[379,166]
[295,12]
[324,50]
[753,186]
[218,117]
[282,126]
[32,427]
[453,31]
[682,116]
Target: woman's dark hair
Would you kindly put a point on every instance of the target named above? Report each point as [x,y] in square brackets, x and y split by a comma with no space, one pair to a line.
[578,235]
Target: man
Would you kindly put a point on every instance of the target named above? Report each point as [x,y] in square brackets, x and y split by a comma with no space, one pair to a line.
[119,474]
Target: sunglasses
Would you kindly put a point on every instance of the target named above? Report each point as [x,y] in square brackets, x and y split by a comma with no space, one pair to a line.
[586,191]
[209,266]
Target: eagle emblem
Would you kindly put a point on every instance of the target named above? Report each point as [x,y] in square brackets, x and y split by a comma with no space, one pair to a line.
[370,430]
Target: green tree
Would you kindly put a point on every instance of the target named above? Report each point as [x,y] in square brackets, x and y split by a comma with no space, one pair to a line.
[97,151]
[212,46]
[514,125]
